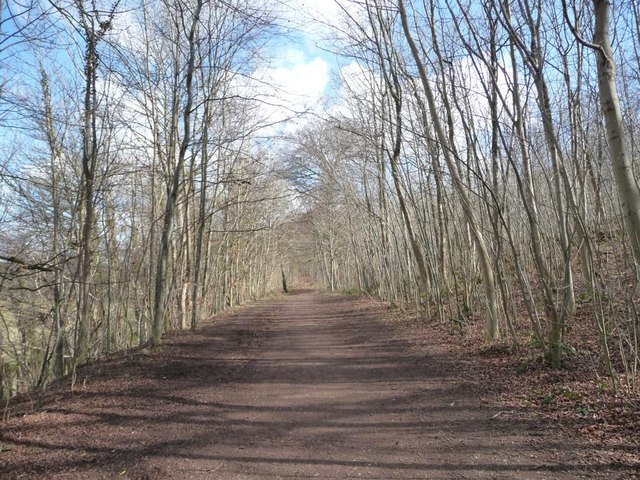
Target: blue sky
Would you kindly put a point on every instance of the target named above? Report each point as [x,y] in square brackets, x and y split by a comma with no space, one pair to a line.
[302,67]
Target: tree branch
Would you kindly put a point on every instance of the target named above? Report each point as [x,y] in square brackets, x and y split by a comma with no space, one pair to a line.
[40,267]
[578,37]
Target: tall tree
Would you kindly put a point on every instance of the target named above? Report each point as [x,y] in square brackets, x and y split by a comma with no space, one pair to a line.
[161,288]
[93,26]
[447,152]
[628,191]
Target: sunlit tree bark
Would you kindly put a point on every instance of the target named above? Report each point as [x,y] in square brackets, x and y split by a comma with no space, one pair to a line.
[447,149]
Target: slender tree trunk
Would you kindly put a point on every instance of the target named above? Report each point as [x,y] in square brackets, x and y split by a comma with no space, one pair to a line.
[58,321]
[397,183]
[284,280]
[389,61]
[201,221]
[628,192]
[89,154]
[161,290]
[485,261]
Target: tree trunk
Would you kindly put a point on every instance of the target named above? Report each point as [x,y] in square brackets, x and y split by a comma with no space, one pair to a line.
[89,154]
[485,261]
[161,283]
[58,321]
[387,57]
[628,192]
[284,280]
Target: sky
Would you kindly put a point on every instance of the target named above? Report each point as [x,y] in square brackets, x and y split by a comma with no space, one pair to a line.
[300,75]
[302,67]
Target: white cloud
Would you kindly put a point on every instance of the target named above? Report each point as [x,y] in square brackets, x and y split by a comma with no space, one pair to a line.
[355,84]
[301,82]
[293,85]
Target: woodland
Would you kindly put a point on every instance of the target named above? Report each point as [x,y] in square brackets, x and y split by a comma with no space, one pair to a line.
[475,164]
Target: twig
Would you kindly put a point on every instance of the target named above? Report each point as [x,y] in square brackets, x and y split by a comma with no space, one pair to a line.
[503,412]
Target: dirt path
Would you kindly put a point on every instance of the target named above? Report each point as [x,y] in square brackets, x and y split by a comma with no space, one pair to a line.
[304,387]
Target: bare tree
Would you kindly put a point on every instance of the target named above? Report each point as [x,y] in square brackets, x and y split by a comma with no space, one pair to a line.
[447,152]
[161,287]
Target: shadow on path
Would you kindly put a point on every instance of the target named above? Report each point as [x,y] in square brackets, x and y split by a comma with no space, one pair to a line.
[304,387]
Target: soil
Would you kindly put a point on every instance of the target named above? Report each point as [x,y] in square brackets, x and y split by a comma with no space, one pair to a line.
[304,386]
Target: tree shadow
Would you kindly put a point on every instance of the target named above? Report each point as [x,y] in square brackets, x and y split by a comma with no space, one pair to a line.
[318,388]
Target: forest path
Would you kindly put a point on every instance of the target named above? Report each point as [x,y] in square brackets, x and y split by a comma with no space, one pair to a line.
[308,386]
